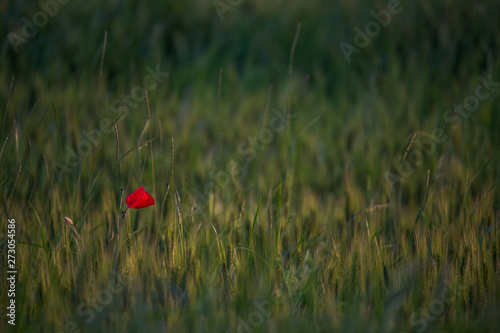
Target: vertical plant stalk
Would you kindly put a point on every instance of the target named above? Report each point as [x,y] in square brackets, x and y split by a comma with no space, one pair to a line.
[152,157]
[161,216]
[103,53]
[151,145]
[370,236]
[403,157]
[182,239]
[294,45]
[410,239]
[278,226]
[7,100]
[3,147]
[119,222]
[219,143]
[172,158]
[250,241]
[117,141]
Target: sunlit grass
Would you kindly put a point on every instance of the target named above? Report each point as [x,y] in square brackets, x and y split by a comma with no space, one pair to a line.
[302,232]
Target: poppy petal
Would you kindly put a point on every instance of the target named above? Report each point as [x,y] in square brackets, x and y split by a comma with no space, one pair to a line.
[140,199]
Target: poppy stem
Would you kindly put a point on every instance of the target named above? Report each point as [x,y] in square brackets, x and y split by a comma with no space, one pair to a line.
[119,222]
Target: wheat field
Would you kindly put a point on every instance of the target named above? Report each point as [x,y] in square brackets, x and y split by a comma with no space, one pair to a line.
[314,167]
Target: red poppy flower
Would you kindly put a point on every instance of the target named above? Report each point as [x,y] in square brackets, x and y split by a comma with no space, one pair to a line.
[140,199]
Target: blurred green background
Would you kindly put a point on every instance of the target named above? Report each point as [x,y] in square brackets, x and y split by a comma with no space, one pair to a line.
[349,123]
